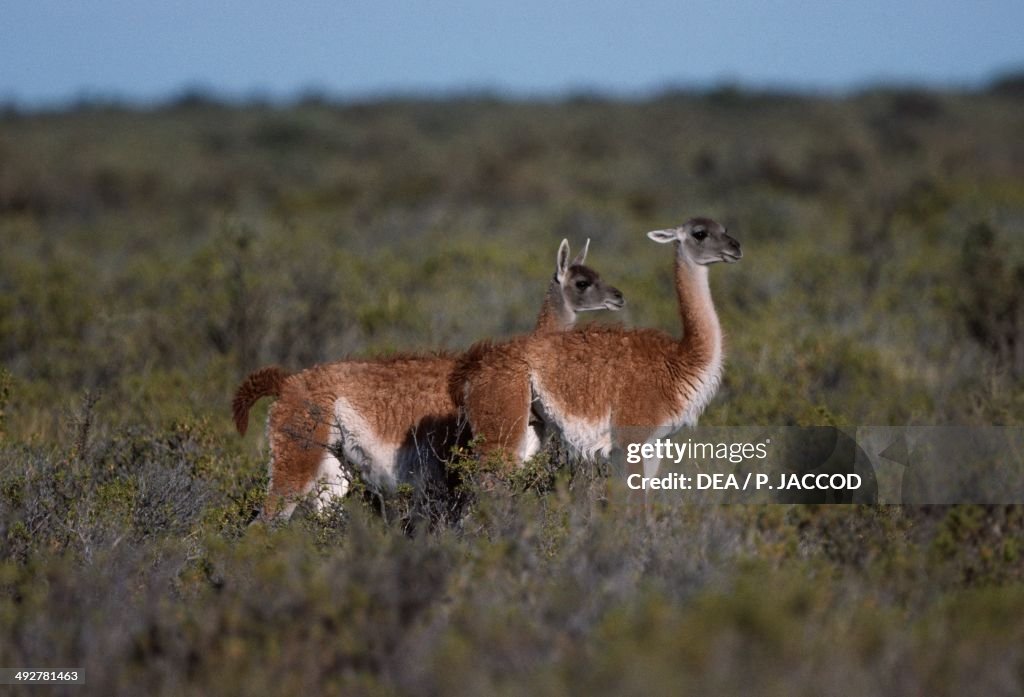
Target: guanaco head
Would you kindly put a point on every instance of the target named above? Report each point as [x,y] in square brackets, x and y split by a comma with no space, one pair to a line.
[702,240]
[582,287]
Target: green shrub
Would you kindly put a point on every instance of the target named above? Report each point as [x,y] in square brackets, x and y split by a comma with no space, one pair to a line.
[153,258]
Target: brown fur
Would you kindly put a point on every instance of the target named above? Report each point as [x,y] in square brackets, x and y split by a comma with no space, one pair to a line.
[498,394]
[265,382]
[643,378]
[405,399]
[491,383]
[298,430]
[396,395]
[393,394]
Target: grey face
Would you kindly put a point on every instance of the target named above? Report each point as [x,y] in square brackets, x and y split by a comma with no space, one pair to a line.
[582,287]
[584,290]
[703,240]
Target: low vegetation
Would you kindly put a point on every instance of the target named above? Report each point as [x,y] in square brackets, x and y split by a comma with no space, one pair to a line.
[151,258]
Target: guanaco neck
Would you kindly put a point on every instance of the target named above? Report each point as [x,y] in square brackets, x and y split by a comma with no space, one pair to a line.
[702,335]
[555,314]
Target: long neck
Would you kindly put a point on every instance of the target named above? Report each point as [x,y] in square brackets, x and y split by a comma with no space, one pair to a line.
[702,335]
[555,315]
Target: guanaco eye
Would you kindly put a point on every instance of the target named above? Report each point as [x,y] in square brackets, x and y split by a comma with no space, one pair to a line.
[699,235]
[582,285]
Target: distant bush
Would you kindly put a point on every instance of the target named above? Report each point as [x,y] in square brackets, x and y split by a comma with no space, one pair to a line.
[1009,85]
[195,97]
[5,395]
[992,302]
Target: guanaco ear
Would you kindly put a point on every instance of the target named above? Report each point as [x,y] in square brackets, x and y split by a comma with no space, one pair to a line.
[662,236]
[562,260]
[582,256]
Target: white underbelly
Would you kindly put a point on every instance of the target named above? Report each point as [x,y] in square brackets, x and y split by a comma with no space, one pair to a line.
[377,460]
[589,438]
[382,463]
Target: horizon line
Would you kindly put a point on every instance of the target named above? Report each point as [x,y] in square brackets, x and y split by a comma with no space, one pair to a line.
[1009,79]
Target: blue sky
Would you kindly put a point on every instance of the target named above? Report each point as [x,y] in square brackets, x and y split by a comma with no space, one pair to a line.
[54,50]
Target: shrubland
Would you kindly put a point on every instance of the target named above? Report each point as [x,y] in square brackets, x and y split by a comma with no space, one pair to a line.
[151,258]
